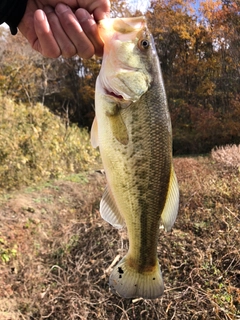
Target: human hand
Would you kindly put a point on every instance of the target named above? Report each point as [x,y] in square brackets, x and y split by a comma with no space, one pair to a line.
[55,29]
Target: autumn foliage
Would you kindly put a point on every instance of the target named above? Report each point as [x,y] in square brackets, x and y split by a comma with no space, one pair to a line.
[199,52]
[198,44]
[36,145]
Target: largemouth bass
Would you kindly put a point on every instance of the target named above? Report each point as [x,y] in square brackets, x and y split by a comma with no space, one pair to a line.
[132,128]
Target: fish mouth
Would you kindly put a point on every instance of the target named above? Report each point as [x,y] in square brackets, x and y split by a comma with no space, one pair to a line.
[113,94]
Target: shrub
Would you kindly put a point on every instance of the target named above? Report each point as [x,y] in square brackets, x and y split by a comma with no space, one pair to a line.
[36,145]
[229,155]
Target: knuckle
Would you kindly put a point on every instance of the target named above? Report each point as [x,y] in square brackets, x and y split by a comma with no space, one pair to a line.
[51,54]
[86,53]
[68,51]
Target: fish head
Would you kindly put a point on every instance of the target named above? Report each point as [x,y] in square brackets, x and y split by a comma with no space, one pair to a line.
[127,60]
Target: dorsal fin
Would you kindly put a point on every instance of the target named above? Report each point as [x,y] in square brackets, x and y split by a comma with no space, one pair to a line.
[109,210]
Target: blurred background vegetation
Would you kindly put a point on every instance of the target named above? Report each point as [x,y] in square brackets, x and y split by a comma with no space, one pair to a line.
[37,145]
[45,104]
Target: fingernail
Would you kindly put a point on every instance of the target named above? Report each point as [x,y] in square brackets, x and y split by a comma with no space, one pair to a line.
[40,16]
[61,8]
[83,15]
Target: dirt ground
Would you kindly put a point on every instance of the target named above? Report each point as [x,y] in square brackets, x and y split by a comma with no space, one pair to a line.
[56,253]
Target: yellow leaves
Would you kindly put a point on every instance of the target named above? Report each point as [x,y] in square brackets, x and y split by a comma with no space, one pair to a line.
[183,32]
[7,252]
[206,89]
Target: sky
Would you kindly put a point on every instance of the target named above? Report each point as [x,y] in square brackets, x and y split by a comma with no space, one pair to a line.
[142,5]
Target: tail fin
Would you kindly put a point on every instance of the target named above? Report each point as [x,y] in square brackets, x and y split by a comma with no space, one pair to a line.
[129,283]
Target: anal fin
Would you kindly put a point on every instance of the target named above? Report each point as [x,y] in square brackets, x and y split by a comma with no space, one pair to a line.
[109,210]
[170,210]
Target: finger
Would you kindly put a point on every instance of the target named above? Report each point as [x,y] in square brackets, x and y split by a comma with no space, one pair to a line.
[102,12]
[64,42]
[99,8]
[75,32]
[90,29]
[44,42]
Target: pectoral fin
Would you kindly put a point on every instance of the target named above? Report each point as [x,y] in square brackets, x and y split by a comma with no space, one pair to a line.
[119,129]
[94,134]
[170,210]
[109,210]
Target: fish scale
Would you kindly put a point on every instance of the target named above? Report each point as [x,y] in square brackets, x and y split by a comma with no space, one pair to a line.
[149,211]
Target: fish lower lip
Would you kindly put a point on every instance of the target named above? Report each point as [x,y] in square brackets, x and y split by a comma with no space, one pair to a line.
[114,95]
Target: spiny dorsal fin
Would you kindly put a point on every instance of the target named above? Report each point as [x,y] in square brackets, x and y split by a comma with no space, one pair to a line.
[94,134]
[170,210]
[109,210]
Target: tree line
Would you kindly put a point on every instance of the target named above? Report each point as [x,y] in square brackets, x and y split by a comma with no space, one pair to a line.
[199,50]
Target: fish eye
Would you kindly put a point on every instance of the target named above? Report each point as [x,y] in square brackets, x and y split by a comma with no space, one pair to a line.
[144,44]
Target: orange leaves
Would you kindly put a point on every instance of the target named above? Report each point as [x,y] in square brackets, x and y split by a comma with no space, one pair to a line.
[210,8]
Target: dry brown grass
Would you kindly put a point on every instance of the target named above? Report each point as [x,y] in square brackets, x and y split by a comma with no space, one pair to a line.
[65,251]
[228,155]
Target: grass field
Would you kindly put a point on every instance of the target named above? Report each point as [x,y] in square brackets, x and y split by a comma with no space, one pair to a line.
[56,252]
